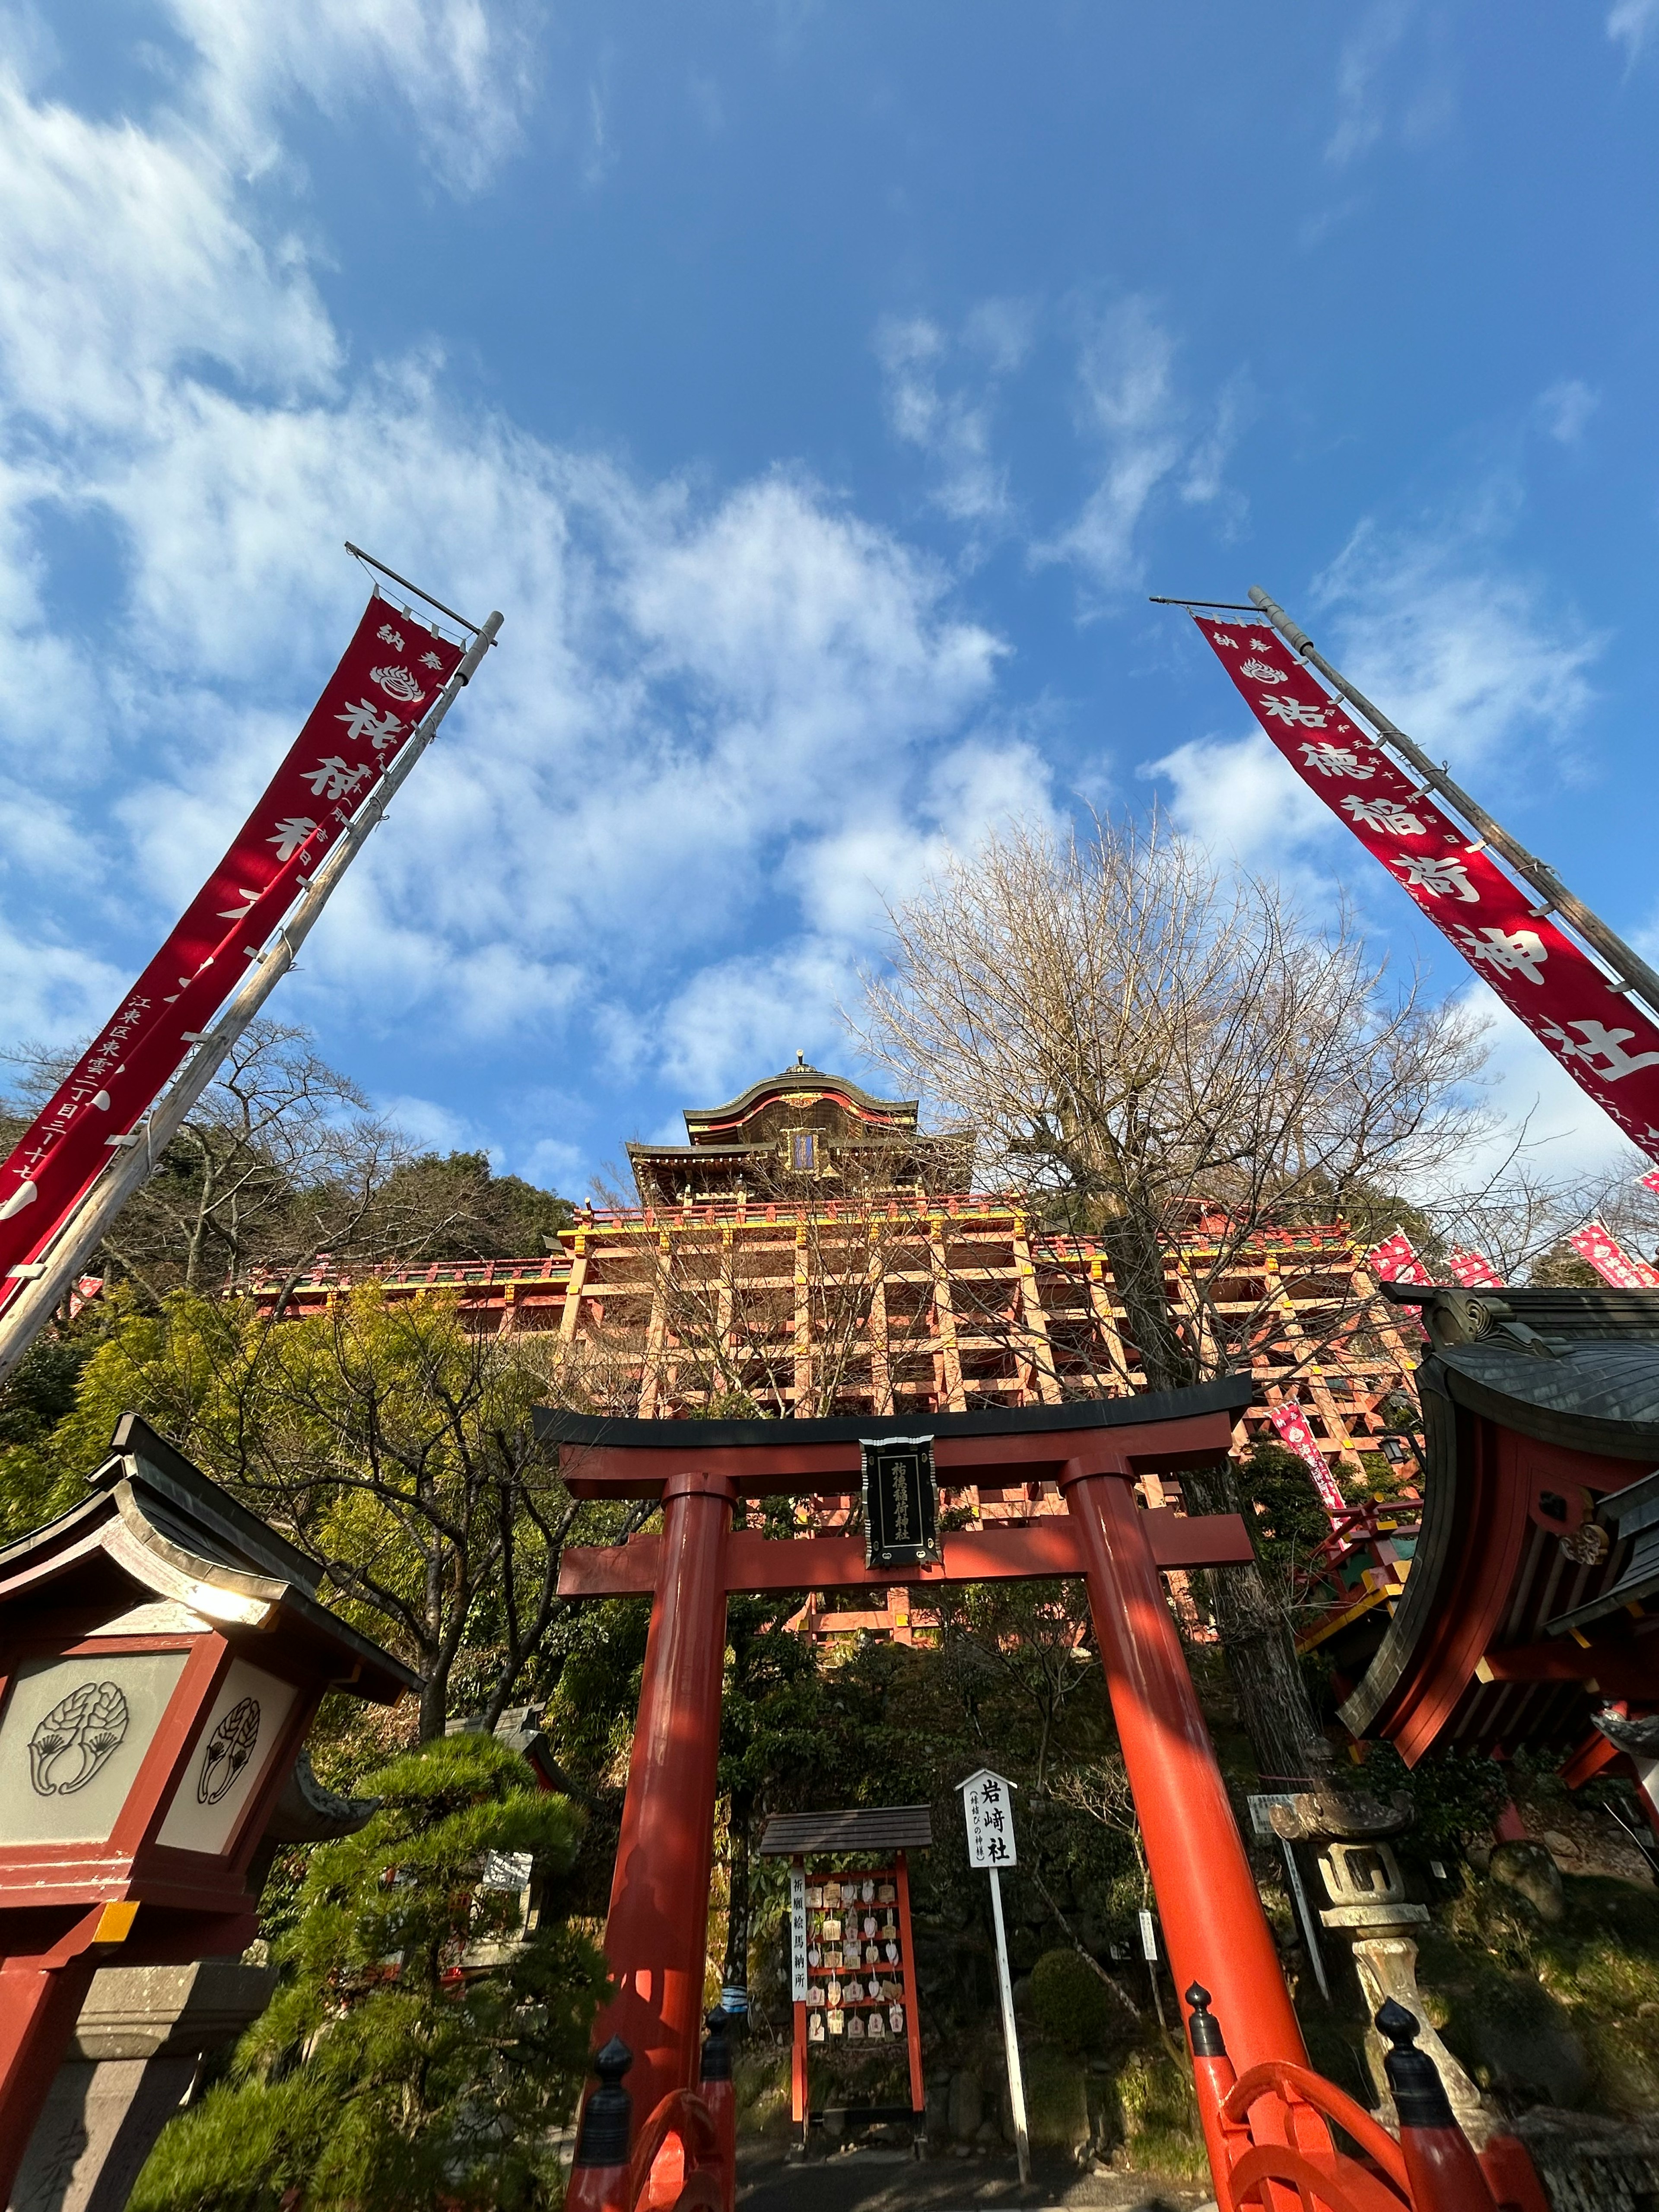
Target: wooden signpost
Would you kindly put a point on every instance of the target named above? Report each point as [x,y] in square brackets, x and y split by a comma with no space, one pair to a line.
[987,1807]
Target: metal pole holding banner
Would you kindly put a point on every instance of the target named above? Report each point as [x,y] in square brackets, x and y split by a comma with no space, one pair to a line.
[132,1164]
[1632,973]
[987,1809]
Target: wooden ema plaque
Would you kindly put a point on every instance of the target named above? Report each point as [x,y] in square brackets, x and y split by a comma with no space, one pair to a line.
[861,1991]
[852,1957]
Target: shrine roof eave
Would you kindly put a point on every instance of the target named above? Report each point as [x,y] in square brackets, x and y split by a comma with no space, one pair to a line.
[603,1457]
[804,1077]
[1595,1397]
[858,1828]
[155,1524]
[1475,1596]
[699,1154]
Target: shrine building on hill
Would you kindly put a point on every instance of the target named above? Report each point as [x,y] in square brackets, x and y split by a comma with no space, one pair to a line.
[810,1251]
[802,1133]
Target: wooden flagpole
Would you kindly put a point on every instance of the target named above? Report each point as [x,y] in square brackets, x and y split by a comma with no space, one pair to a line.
[1631,974]
[51,1276]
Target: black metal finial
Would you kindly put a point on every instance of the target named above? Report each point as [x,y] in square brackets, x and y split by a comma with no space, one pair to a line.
[608,2115]
[717,2050]
[1203,2028]
[1419,2094]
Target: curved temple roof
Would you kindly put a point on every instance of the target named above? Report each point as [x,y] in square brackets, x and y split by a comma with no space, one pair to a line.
[1541,1409]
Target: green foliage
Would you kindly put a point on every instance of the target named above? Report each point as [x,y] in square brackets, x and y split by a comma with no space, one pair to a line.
[1561,1268]
[1158,2115]
[1456,1796]
[391,2072]
[1073,2006]
[382,1436]
[1288,1522]
[460,1209]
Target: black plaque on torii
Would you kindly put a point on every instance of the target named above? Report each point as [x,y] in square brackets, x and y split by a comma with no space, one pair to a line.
[901,1502]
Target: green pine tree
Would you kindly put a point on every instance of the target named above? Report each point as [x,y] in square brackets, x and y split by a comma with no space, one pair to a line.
[395,2068]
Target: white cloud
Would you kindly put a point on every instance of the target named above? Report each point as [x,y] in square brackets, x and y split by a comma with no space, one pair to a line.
[1132,410]
[1632,21]
[119,259]
[53,993]
[1242,798]
[752,1015]
[953,427]
[700,704]
[1565,407]
[462,70]
[1469,658]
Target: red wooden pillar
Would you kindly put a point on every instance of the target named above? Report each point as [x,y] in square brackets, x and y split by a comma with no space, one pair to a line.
[1214,1924]
[656,1935]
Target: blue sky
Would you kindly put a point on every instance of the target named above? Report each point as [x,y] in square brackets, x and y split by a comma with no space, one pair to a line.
[819,390]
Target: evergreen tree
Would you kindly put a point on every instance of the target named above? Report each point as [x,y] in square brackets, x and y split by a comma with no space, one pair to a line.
[423,2043]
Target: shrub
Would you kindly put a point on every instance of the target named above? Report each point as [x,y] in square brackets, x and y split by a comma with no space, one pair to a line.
[391,2070]
[1073,2006]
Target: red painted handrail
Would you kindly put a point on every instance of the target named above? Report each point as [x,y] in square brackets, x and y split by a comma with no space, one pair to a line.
[676,2165]
[1278,2076]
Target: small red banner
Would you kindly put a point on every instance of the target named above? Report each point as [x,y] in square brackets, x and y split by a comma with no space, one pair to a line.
[1395,1260]
[1292,1425]
[391,673]
[1476,1272]
[1610,1260]
[1608,1045]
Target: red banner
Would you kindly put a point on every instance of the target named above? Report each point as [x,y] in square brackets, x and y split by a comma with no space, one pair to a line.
[1395,1260]
[1610,1260]
[1608,1045]
[1292,1425]
[1476,1272]
[390,674]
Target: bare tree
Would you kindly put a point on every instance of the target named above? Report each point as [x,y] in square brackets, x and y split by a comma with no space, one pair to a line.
[1135,1033]
[1140,1038]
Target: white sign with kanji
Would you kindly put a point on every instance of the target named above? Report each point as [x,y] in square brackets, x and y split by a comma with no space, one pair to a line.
[799,1988]
[988,1807]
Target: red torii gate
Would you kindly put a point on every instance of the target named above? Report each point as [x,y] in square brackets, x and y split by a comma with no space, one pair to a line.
[1263,2109]
[1094,1450]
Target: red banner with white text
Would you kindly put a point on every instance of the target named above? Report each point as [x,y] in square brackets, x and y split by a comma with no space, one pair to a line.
[390,674]
[1395,1260]
[1608,1045]
[1597,1244]
[1476,1272]
[1294,1432]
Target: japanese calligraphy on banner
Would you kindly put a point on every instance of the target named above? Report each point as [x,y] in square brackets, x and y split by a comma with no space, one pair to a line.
[391,670]
[1476,1272]
[1608,1045]
[1291,1425]
[1395,1260]
[1611,1261]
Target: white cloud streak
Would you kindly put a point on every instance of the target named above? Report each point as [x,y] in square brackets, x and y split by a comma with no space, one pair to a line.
[711,714]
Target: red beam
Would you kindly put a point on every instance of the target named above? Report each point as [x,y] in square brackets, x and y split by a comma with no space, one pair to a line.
[1039,1552]
[832,1469]
[1616,1673]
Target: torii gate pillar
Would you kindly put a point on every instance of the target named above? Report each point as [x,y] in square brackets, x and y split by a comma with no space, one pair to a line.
[1207,1895]
[655,1937]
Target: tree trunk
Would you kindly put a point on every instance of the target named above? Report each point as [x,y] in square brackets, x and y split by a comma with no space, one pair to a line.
[1291,1750]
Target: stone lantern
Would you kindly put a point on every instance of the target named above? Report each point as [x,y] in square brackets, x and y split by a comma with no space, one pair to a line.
[162,1653]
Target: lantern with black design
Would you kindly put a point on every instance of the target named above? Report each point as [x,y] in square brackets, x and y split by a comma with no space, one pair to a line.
[162,1653]
[901,1502]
